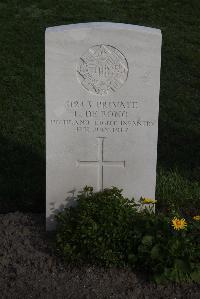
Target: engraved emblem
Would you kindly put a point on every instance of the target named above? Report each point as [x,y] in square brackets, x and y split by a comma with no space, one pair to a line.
[102,69]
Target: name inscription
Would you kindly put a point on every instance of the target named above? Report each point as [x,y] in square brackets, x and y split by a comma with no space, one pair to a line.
[101,116]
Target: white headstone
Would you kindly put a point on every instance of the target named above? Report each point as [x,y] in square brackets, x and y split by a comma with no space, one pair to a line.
[102,102]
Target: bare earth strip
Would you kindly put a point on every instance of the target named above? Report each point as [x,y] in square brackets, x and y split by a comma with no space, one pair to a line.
[28,269]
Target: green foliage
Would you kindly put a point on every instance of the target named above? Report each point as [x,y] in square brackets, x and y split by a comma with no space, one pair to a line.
[107,229]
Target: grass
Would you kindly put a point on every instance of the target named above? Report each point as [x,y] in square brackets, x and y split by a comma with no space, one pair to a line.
[174,190]
[22,120]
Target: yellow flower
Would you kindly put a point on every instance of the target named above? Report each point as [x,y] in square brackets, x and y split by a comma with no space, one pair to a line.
[148,200]
[196,218]
[179,223]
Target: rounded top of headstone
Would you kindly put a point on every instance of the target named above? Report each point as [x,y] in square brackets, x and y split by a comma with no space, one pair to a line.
[103,25]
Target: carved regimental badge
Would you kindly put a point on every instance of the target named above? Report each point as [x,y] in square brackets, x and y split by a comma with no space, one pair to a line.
[102,69]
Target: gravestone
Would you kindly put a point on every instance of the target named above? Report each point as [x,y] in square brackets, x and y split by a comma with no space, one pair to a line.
[102,103]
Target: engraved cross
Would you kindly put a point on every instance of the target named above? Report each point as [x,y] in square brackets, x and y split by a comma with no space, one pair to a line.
[100,163]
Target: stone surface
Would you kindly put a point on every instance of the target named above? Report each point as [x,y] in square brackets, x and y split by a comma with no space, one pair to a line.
[102,103]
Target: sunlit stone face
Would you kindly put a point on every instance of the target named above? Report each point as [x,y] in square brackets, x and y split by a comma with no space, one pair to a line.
[102,102]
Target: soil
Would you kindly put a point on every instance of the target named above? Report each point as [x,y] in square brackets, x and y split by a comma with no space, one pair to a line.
[29,269]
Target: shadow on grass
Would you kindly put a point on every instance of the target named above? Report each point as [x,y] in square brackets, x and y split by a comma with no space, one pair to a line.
[22,178]
[70,201]
[178,148]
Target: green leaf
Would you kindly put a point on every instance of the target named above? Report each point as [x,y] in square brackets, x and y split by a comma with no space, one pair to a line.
[181,265]
[156,252]
[195,276]
[132,258]
[147,240]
